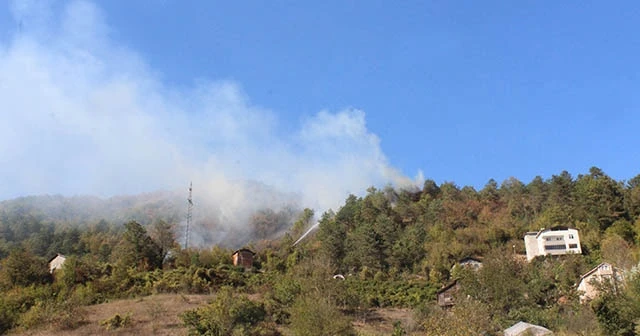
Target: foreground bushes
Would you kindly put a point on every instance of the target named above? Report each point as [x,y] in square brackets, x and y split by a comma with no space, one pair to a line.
[28,307]
[228,314]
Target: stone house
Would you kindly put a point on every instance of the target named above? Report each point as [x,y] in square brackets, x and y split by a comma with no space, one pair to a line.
[590,282]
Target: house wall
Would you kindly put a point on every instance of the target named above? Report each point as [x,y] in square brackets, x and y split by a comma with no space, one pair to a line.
[559,242]
[531,245]
[243,258]
[56,263]
[589,284]
[446,297]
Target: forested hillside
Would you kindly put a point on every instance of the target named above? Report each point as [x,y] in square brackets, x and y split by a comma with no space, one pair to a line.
[427,231]
[47,221]
[388,248]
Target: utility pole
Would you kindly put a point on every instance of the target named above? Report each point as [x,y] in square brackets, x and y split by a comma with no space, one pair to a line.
[189,215]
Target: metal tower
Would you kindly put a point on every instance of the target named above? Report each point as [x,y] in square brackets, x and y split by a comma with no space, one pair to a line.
[189,215]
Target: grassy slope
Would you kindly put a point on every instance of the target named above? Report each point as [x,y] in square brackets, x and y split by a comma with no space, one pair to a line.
[151,315]
[158,315]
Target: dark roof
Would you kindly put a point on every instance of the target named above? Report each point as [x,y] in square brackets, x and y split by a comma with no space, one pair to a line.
[57,255]
[478,259]
[555,228]
[244,250]
[595,269]
[447,287]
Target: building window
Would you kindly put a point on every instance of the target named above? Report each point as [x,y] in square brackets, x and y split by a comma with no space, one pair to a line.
[554,238]
[555,247]
[570,236]
[573,245]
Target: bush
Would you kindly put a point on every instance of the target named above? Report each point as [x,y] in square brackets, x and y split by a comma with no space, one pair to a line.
[19,300]
[227,314]
[117,321]
[315,315]
[57,315]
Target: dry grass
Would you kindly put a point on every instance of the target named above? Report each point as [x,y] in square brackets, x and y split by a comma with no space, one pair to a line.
[380,321]
[158,315]
[151,315]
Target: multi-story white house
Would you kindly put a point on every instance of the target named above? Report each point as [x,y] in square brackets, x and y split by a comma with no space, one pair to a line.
[554,241]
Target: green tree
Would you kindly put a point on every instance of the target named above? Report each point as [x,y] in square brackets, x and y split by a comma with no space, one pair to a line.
[22,268]
[599,199]
[163,235]
[430,189]
[365,248]
[137,249]
[302,223]
[632,197]
[333,234]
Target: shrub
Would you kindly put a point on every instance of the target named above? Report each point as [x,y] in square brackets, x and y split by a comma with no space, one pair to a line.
[58,315]
[227,314]
[117,321]
[315,315]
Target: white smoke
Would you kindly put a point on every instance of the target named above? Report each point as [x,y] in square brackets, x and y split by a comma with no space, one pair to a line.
[82,114]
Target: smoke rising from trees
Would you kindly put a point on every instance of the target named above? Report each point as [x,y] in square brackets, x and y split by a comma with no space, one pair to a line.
[85,115]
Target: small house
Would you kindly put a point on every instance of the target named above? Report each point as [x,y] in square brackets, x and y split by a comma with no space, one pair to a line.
[554,241]
[474,263]
[590,282]
[56,262]
[526,329]
[446,295]
[243,257]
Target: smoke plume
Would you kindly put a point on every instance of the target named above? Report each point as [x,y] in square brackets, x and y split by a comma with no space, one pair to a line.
[82,114]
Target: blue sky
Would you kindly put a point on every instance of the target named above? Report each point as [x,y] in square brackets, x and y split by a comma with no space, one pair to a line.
[460,91]
[464,91]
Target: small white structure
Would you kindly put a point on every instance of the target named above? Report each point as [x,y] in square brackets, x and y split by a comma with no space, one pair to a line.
[56,262]
[523,328]
[471,262]
[590,281]
[554,241]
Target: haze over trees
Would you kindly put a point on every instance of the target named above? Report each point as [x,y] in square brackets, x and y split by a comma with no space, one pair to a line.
[394,248]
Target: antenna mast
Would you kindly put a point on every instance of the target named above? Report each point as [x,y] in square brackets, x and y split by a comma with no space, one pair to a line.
[189,215]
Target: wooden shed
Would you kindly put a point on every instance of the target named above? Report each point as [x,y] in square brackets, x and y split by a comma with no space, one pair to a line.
[446,295]
[243,257]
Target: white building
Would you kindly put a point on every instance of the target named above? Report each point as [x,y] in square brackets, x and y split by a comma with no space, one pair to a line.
[56,262]
[526,329]
[554,241]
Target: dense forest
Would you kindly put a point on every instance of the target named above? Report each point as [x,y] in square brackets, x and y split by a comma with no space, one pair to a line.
[387,248]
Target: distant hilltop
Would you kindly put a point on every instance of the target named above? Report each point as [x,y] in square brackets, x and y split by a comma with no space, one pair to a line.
[260,213]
